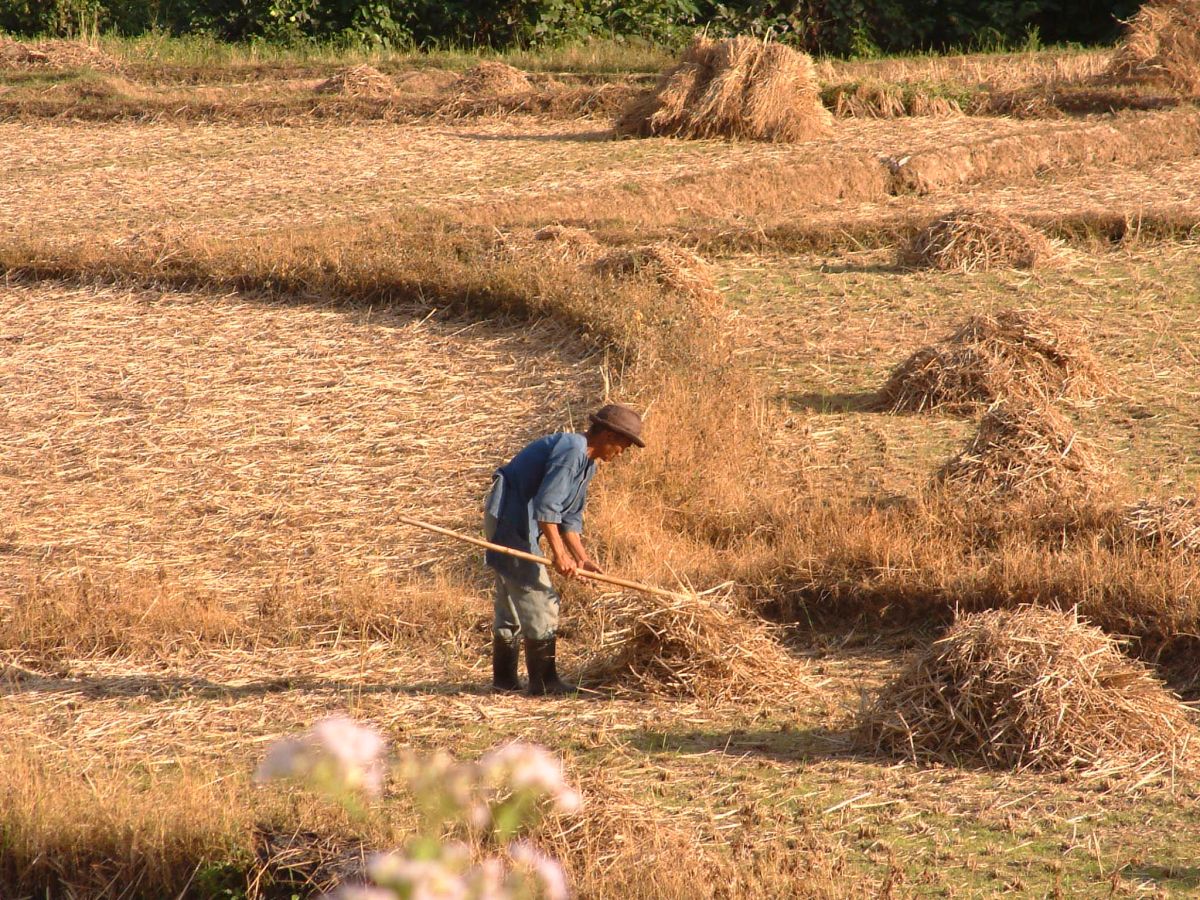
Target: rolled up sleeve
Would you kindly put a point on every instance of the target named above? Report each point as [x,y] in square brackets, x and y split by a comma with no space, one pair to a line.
[556,491]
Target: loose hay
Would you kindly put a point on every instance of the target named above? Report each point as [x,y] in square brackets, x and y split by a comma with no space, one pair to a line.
[1015,353]
[673,267]
[698,646]
[1025,452]
[740,88]
[1032,688]
[358,81]
[55,54]
[1163,42]
[491,78]
[975,240]
[1173,523]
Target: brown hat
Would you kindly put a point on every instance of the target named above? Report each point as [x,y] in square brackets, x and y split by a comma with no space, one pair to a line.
[620,419]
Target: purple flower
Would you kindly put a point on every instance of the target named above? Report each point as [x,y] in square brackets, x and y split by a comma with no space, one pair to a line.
[339,749]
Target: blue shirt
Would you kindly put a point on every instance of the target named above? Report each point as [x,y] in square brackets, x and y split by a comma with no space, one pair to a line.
[546,482]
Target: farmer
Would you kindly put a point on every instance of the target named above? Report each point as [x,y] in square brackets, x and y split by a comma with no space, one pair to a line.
[542,491]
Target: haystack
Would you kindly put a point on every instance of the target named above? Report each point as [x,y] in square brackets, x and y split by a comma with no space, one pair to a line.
[1032,688]
[1162,42]
[1172,523]
[975,240]
[56,54]
[492,79]
[358,81]
[673,267]
[426,82]
[699,646]
[741,88]
[1015,353]
[1026,452]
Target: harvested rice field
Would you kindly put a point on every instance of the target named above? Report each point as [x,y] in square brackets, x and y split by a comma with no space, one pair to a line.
[235,351]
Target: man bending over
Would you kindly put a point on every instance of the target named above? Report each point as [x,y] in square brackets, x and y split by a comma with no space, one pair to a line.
[542,491]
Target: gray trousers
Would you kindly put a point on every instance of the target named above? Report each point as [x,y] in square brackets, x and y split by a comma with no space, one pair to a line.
[522,609]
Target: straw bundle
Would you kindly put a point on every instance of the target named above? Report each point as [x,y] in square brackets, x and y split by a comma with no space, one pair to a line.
[969,240]
[358,81]
[1025,451]
[491,78]
[673,267]
[426,81]
[55,54]
[990,357]
[738,88]
[1032,688]
[1163,42]
[698,646]
[1173,523]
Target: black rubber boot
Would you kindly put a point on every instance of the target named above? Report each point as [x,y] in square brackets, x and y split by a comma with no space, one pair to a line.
[543,671]
[505,654]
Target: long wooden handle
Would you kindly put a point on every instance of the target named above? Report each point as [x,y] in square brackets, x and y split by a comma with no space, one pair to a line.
[531,557]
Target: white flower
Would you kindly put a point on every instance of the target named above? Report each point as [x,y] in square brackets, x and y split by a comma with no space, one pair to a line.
[424,879]
[362,892]
[527,767]
[546,869]
[337,748]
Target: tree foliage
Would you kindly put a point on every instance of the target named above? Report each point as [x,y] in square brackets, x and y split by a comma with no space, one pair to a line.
[841,27]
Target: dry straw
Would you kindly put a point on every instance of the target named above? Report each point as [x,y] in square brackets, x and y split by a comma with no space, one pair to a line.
[490,78]
[673,267]
[1013,353]
[1025,451]
[740,88]
[970,240]
[55,54]
[358,81]
[1163,42]
[695,645]
[1032,688]
[1173,523]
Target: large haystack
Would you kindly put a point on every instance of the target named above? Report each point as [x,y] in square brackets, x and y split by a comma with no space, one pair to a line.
[1173,523]
[673,267]
[975,240]
[1162,42]
[698,646]
[1028,452]
[358,81]
[493,79]
[741,88]
[1032,688]
[1015,353]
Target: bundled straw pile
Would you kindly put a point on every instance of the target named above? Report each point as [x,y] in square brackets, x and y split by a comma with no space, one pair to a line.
[1173,523]
[1009,354]
[971,240]
[1163,42]
[1025,451]
[358,81]
[491,79]
[1032,688]
[698,646]
[738,88]
[55,54]
[673,267]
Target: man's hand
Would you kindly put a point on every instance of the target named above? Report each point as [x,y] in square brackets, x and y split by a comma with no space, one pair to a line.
[565,566]
[588,566]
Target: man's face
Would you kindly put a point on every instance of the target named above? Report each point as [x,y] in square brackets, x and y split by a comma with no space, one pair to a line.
[610,445]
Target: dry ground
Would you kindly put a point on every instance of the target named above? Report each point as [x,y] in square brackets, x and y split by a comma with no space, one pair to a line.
[234,463]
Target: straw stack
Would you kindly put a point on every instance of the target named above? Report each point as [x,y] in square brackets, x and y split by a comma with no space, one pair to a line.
[358,81]
[1025,452]
[1032,688]
[699,646]
[675,268]
[490,79]
[1172,523]
[741,88]
[1162,42]
[975,240]
[1015,353]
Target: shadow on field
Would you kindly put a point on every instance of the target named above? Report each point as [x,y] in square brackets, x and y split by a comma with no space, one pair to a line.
[576,138]
[784,745]
[1165,876]
[849,401]
[201,688]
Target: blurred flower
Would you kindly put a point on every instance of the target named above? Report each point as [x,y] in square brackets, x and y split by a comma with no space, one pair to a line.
[418,879]
[546,869]
[337,750]
[362,892]
[527,767]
